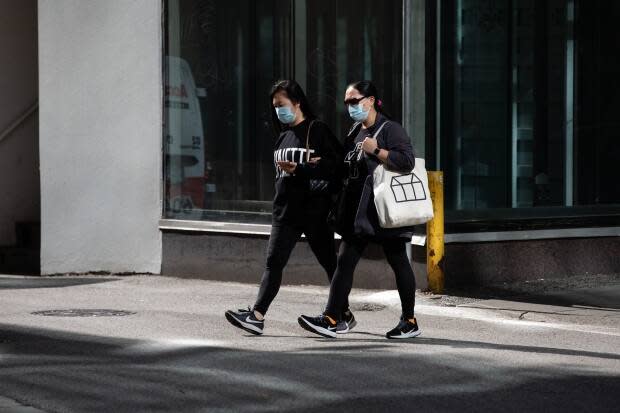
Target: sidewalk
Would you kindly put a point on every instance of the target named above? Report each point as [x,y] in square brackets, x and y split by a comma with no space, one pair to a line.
[595,307]
[144,343]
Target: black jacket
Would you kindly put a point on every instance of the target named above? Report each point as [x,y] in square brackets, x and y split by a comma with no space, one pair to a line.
[401,158]
[294,202]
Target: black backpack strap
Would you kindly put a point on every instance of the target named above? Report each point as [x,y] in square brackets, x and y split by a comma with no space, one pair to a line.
[308,140]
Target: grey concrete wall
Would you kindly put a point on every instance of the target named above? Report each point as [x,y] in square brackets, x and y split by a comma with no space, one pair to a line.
[100,140]
[19,162]
[242,258]
[495,263]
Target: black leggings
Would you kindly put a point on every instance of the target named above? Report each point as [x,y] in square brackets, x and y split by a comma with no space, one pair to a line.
[281,243]
[348,257]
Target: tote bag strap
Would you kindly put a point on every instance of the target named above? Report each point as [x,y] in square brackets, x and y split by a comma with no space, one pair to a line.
[374,136]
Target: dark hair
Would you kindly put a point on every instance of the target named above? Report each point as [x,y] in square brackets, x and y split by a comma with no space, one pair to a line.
[296,94]
[367,89]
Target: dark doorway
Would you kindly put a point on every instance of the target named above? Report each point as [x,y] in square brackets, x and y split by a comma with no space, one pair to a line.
[20,199]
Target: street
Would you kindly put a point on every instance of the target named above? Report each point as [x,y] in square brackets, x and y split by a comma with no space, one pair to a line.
[174,351]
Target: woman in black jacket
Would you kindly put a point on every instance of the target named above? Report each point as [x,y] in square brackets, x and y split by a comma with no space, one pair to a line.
[357,219]
[306,158]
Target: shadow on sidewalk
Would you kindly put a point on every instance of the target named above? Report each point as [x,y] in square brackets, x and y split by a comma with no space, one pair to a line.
[20,283]
[73,372]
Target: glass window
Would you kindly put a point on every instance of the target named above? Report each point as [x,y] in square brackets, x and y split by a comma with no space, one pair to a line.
[221,58]
[345,41]
[597,109]
[528,99]
[504,83]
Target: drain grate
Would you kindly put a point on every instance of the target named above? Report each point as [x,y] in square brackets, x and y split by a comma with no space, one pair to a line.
[83,312]
[366,307]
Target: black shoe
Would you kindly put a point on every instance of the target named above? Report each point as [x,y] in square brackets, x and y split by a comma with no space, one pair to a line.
[404,329]
[347,323]
[246,320]
[321,325]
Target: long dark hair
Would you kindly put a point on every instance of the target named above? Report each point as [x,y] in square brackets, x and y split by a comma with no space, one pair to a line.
[296,94]
[367,89]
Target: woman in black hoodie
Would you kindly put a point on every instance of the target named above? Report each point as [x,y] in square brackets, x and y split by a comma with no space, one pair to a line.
[357,219]
[307,156]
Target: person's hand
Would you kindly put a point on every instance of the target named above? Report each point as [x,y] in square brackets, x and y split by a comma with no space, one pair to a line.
[287,166]
[315,160]
[369,145]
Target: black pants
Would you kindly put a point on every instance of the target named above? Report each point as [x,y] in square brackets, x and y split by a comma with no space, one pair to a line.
[350,253]
[281,243]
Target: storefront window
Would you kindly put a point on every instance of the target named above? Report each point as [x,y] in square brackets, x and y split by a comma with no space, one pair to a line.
[597,103]
[521,124]
[527,97]
[505,87]
[222,56]
[345,41]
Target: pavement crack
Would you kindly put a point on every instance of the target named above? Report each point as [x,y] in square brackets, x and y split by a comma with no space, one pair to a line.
[522,314]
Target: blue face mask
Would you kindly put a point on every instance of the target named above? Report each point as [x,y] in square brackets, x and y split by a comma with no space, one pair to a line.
[358,113]
[285,115]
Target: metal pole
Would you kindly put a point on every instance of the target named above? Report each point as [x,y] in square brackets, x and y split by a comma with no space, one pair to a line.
[435,235]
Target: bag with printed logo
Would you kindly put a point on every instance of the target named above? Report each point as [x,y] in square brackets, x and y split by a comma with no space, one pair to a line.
[402,200]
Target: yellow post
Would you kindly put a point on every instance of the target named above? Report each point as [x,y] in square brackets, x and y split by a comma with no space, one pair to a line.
[434,235]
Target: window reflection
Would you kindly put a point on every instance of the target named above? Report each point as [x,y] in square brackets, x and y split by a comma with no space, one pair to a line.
[222,57]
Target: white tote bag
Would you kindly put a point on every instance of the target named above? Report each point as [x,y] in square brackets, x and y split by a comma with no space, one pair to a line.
[402,200]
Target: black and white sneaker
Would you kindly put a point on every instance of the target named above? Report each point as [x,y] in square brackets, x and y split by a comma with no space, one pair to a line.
[322,325]
[404,329]
[347,323]
[246,320]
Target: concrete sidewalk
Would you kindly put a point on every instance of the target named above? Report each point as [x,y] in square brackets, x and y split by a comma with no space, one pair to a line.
[174,351]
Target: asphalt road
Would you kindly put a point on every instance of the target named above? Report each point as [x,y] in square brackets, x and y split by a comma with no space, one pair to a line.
[177,352]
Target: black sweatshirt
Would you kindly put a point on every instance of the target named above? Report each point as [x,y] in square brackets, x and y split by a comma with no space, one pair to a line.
[294,203]
[360,216]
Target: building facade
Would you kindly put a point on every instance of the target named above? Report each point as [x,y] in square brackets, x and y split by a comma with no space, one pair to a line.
[155,141]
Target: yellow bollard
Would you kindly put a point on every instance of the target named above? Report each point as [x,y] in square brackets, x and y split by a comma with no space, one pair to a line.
[434,235]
